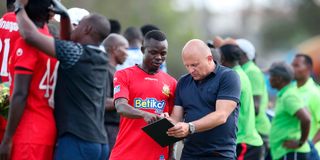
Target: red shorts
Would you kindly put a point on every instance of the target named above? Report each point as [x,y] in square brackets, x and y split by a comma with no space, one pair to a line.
[28,151]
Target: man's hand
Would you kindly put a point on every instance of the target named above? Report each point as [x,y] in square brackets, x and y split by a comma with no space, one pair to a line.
[58,8]
[180,130]
[291,144]
[5,150]
[150,117]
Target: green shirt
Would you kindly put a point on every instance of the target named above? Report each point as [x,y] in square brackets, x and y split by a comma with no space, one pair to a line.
[310,95]
[285,125]
[259,88]
[247,132]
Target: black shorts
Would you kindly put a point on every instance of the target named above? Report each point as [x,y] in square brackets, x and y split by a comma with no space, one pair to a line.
[248,152]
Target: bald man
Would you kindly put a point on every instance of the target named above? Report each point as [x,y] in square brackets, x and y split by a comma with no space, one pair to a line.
[207,99]
[116,47]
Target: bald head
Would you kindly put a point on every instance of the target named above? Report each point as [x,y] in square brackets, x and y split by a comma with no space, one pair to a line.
[116,46]
[197,59]
[114,40]
[196,48]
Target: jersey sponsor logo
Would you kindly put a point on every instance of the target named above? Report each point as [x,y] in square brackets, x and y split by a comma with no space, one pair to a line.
[149,103]
[116,89]
[166,90]
[8,25]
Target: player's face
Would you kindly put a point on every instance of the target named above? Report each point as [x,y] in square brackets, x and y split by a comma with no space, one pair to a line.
[274,81]
[155,53]
[198,66]
[121,53]
[301,70]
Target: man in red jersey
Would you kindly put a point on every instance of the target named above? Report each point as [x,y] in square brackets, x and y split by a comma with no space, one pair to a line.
[8,35]
[141,94]
[31,130]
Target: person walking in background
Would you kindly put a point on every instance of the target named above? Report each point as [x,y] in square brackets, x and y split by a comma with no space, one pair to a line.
[291,123]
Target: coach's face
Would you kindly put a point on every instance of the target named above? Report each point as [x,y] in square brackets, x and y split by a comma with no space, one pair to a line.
[155,53]
[198,65]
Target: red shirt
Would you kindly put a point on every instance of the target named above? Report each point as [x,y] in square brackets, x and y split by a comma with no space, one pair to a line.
[8,35]
[37,124]
[151,93]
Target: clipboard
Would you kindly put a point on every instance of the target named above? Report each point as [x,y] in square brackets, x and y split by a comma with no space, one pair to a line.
[158,132]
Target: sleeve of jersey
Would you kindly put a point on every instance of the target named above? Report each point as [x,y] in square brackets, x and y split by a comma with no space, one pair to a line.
[230,87]
[25,58]
[293,104]
[67,52]
[120,83]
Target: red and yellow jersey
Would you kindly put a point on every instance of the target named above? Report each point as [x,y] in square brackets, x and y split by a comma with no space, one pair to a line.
[151,93]
[37,124]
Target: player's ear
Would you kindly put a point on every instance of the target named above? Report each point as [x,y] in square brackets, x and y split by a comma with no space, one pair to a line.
[142,49]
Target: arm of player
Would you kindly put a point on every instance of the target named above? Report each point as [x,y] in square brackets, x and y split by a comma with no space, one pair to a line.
[109,104]
[304,118]
[124,109]
[17,105]
[257,102]
[223,110]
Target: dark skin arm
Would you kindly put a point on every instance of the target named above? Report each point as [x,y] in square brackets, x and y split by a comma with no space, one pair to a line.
[316,137]
[304,118]
[32,36]
[16,109]
[109,105]
[257,101]
[124,109]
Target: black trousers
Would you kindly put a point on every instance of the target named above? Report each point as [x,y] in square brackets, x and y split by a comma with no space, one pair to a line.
[249,152]
[295,156]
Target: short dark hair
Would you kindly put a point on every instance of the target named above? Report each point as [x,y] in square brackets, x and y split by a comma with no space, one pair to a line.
[132,33]
[101,26]
[231,53]
[37,10]
[283,70]
[115,26]
[156,35]
[307,59]
[147,28]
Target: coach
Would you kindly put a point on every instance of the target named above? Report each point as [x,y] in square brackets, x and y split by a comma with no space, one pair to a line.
[208,100]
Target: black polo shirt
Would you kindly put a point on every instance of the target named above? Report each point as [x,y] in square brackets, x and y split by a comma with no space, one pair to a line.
[198,98]
[80,91]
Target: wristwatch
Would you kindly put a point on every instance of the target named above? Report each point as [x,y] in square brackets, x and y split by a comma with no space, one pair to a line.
[192,128]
